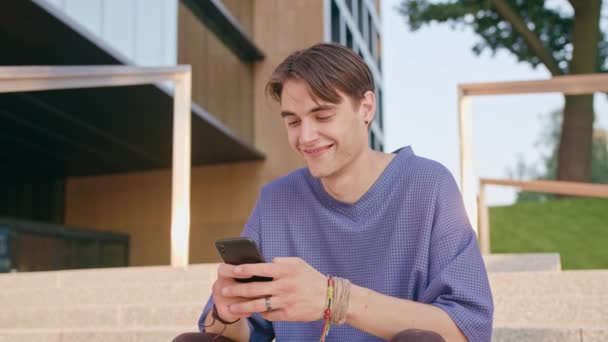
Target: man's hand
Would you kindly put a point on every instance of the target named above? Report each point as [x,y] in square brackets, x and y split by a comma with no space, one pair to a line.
[225,278]
[297,292]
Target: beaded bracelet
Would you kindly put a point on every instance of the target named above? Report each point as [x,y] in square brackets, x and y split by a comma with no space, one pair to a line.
[327,314]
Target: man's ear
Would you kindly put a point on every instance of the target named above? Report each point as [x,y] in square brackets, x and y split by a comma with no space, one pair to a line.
[367,106]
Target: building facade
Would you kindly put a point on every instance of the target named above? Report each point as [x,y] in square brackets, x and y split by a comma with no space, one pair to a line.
[102,190]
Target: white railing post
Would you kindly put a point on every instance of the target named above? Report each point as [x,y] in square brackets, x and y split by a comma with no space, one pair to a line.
[180,196]
[484,221]
[467,184]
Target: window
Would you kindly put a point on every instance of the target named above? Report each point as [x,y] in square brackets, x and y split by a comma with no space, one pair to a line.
[360,14]
[380,109]
[349,39]
[378,51]
[371,31]
[349,3]
[372,139]
[335,23]
[360,53]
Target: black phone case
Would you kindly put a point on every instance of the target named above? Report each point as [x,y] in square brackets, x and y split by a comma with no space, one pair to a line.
[237,251]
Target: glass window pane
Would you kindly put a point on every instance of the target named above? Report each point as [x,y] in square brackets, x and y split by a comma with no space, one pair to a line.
[335,23]
[349,38]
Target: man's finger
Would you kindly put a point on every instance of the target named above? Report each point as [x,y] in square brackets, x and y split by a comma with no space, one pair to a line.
[251,290]
[264,270]
[227,271]
[256,305]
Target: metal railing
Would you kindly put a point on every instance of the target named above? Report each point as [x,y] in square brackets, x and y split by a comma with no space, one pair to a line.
[567,85]
[37,78]
[544,186]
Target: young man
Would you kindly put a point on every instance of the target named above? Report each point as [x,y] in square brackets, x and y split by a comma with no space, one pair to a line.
[390,229]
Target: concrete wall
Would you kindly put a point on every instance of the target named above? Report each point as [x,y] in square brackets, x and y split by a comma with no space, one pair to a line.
[222,195]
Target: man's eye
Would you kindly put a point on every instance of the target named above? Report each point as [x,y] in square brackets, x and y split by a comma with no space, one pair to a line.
[293,123]
[324,118]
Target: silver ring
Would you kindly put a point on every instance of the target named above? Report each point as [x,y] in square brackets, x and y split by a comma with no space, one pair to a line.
[268,305]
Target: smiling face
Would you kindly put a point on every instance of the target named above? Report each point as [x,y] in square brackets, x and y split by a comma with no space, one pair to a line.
[328,136]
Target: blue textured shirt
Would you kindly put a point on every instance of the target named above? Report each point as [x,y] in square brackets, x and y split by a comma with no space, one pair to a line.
[407,237]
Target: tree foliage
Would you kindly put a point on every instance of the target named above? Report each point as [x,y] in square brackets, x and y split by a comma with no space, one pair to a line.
[552,27]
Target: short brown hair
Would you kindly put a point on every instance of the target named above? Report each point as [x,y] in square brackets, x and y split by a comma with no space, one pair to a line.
[325,68]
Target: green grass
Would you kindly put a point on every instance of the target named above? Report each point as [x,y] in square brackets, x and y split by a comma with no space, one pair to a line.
[577,229]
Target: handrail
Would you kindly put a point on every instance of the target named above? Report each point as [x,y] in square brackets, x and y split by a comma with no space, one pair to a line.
[553,187]
[36,78]
[545,186]
[567,85]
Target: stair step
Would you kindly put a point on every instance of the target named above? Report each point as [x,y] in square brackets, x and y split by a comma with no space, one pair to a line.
[165,334]
[93,317]
[558,284]
[553,334]
[103,277]
[114,293]
[522,262]
[155,334]
[551,310]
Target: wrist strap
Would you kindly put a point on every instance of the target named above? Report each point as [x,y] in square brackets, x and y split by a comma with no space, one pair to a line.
[217,317]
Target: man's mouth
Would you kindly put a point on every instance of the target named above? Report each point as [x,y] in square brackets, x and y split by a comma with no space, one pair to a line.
[317,151]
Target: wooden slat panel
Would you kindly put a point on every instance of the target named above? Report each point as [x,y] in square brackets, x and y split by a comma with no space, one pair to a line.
[221,82]
[241,10]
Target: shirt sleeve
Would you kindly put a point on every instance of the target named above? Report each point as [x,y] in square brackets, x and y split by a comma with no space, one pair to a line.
[261,329]
[457,278]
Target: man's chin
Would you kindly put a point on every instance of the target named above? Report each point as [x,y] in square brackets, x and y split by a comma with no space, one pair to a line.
[317,172]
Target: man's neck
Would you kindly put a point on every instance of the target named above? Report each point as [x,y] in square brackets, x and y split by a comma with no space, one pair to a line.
[358,177]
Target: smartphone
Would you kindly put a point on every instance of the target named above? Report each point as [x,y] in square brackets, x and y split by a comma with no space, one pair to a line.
[241,250]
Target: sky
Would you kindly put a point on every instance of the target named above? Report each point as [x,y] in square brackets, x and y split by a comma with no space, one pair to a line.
[422,70]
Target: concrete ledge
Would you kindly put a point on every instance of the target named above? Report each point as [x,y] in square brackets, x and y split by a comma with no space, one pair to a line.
[96,335]
[102,317]
[551,311]
[164,334]
[103,277]
[536,334]
[522,262]
[557,284]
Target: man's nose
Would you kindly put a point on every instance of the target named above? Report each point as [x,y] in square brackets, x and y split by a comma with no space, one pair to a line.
[309,133]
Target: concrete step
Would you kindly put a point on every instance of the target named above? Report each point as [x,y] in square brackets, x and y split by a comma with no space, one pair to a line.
[207,272]
[161,334]
[552,334]
[104,277]
[547,311]
[114,293]
[522,262]
[156,334]
[101,317]
[557,284]
[551,311]
[168,285]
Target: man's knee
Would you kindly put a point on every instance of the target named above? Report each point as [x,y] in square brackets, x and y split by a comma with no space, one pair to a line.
[417,335]
[200,337]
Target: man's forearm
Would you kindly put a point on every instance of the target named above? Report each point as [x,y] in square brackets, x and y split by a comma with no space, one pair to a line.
[239,331]
[385,316]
